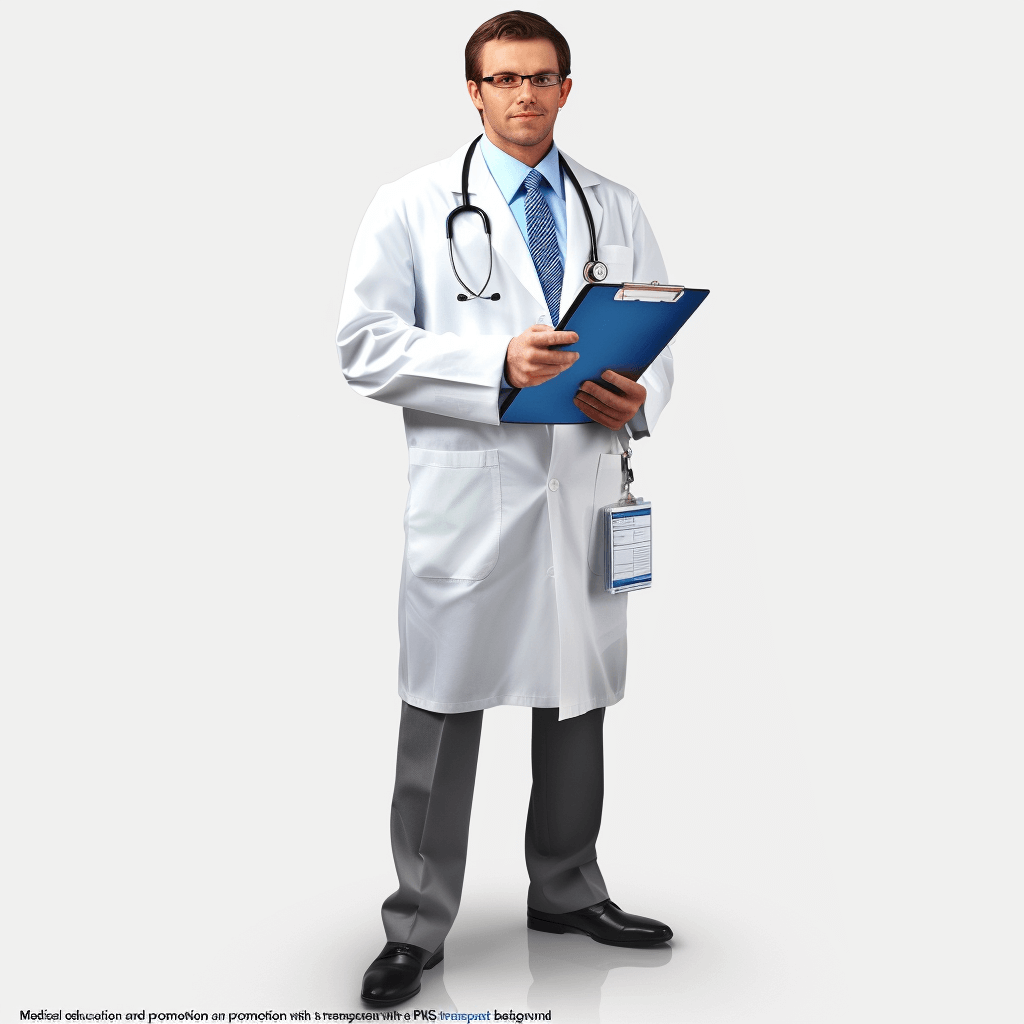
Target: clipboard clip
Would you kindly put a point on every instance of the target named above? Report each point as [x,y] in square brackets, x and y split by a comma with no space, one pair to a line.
[638,291]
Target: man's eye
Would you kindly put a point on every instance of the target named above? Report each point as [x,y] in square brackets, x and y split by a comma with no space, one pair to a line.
[545,80]
[507,79]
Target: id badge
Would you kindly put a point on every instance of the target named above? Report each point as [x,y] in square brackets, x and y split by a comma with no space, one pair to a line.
[627,546]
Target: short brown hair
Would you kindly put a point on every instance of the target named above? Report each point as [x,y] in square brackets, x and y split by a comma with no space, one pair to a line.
[514,25]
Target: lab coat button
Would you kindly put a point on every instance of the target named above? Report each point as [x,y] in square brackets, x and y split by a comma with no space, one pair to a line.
[553,485]
[551,571]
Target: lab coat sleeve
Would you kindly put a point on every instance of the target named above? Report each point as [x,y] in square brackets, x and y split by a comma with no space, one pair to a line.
[384,355]
[657,378]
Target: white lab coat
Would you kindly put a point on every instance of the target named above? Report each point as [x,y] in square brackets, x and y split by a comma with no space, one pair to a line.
[502,598]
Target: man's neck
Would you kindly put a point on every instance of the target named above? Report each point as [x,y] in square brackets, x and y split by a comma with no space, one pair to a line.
[529,155]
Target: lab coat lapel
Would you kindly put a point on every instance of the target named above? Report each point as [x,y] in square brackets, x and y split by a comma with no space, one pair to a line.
[506,237]
[577,242]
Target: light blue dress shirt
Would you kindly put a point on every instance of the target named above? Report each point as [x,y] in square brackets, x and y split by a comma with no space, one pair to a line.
[509,175]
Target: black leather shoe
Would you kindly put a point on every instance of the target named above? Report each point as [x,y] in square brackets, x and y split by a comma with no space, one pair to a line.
[603,922]
[395,975]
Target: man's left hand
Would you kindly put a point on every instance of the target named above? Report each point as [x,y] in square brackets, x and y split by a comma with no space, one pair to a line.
[606,407]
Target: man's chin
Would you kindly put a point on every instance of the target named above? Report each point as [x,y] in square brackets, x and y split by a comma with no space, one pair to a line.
[528,133]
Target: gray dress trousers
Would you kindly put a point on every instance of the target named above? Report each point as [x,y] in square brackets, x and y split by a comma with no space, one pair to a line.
[434,780]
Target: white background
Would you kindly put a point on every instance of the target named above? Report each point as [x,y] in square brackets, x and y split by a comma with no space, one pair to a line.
[814,776]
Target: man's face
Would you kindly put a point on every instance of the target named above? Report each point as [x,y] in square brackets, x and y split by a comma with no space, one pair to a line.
[522,118]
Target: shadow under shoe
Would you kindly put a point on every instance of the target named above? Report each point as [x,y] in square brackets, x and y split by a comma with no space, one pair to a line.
[395,975]
[604,922]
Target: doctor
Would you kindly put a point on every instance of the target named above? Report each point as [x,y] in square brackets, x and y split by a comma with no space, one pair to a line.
[502,598]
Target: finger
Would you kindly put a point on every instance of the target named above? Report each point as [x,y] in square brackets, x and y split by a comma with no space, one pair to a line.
[626,384]
[540,372]
[540,378]
[554,339]
[598,413]
[597,416]
[609,399]
[552,357]
[543,373]
[534,379]
[564,337]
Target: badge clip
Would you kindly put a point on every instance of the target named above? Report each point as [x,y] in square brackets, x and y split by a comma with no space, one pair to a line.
[627,478]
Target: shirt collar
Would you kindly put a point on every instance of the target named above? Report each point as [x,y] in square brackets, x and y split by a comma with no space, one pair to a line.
[510,173]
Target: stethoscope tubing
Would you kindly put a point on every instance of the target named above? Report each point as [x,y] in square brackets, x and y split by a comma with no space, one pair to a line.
[594,271]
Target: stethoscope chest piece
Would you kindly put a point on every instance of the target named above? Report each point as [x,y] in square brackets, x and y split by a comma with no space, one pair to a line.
[595,272]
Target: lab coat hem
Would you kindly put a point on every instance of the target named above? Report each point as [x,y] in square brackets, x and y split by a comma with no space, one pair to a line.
[575,710]
[510,699]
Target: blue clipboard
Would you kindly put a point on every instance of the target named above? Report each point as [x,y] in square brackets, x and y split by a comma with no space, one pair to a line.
[622,327]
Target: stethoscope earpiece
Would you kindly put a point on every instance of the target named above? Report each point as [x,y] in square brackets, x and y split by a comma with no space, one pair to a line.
[594,271]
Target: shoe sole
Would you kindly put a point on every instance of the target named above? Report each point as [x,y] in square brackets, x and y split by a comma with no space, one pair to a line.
[432,962]
[560,929]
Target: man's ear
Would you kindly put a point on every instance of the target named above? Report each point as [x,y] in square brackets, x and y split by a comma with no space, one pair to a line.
[474,95]
[564,92]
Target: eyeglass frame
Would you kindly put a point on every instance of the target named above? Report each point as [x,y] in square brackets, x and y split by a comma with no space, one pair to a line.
[489,79]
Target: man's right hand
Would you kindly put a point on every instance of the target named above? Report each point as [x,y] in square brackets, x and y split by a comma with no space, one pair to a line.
[531,360]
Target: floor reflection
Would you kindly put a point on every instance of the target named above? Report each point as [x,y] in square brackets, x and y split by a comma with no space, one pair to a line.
[433,994]
[569,970]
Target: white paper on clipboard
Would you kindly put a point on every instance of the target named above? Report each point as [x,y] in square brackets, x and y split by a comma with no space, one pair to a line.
[634,291]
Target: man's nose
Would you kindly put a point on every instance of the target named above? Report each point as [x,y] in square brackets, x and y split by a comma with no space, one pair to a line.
[526,91]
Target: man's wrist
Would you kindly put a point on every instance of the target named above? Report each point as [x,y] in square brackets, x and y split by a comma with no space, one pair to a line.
[505,381]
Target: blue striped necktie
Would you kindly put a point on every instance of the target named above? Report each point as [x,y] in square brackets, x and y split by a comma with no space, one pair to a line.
[540,226]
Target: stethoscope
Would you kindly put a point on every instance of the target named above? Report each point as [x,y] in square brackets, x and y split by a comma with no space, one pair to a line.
[594,271]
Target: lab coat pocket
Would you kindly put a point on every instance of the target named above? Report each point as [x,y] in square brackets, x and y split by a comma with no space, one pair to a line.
[607,489]
[453,521]
[619,261]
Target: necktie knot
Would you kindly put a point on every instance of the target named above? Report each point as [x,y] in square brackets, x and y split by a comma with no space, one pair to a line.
[534,180]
